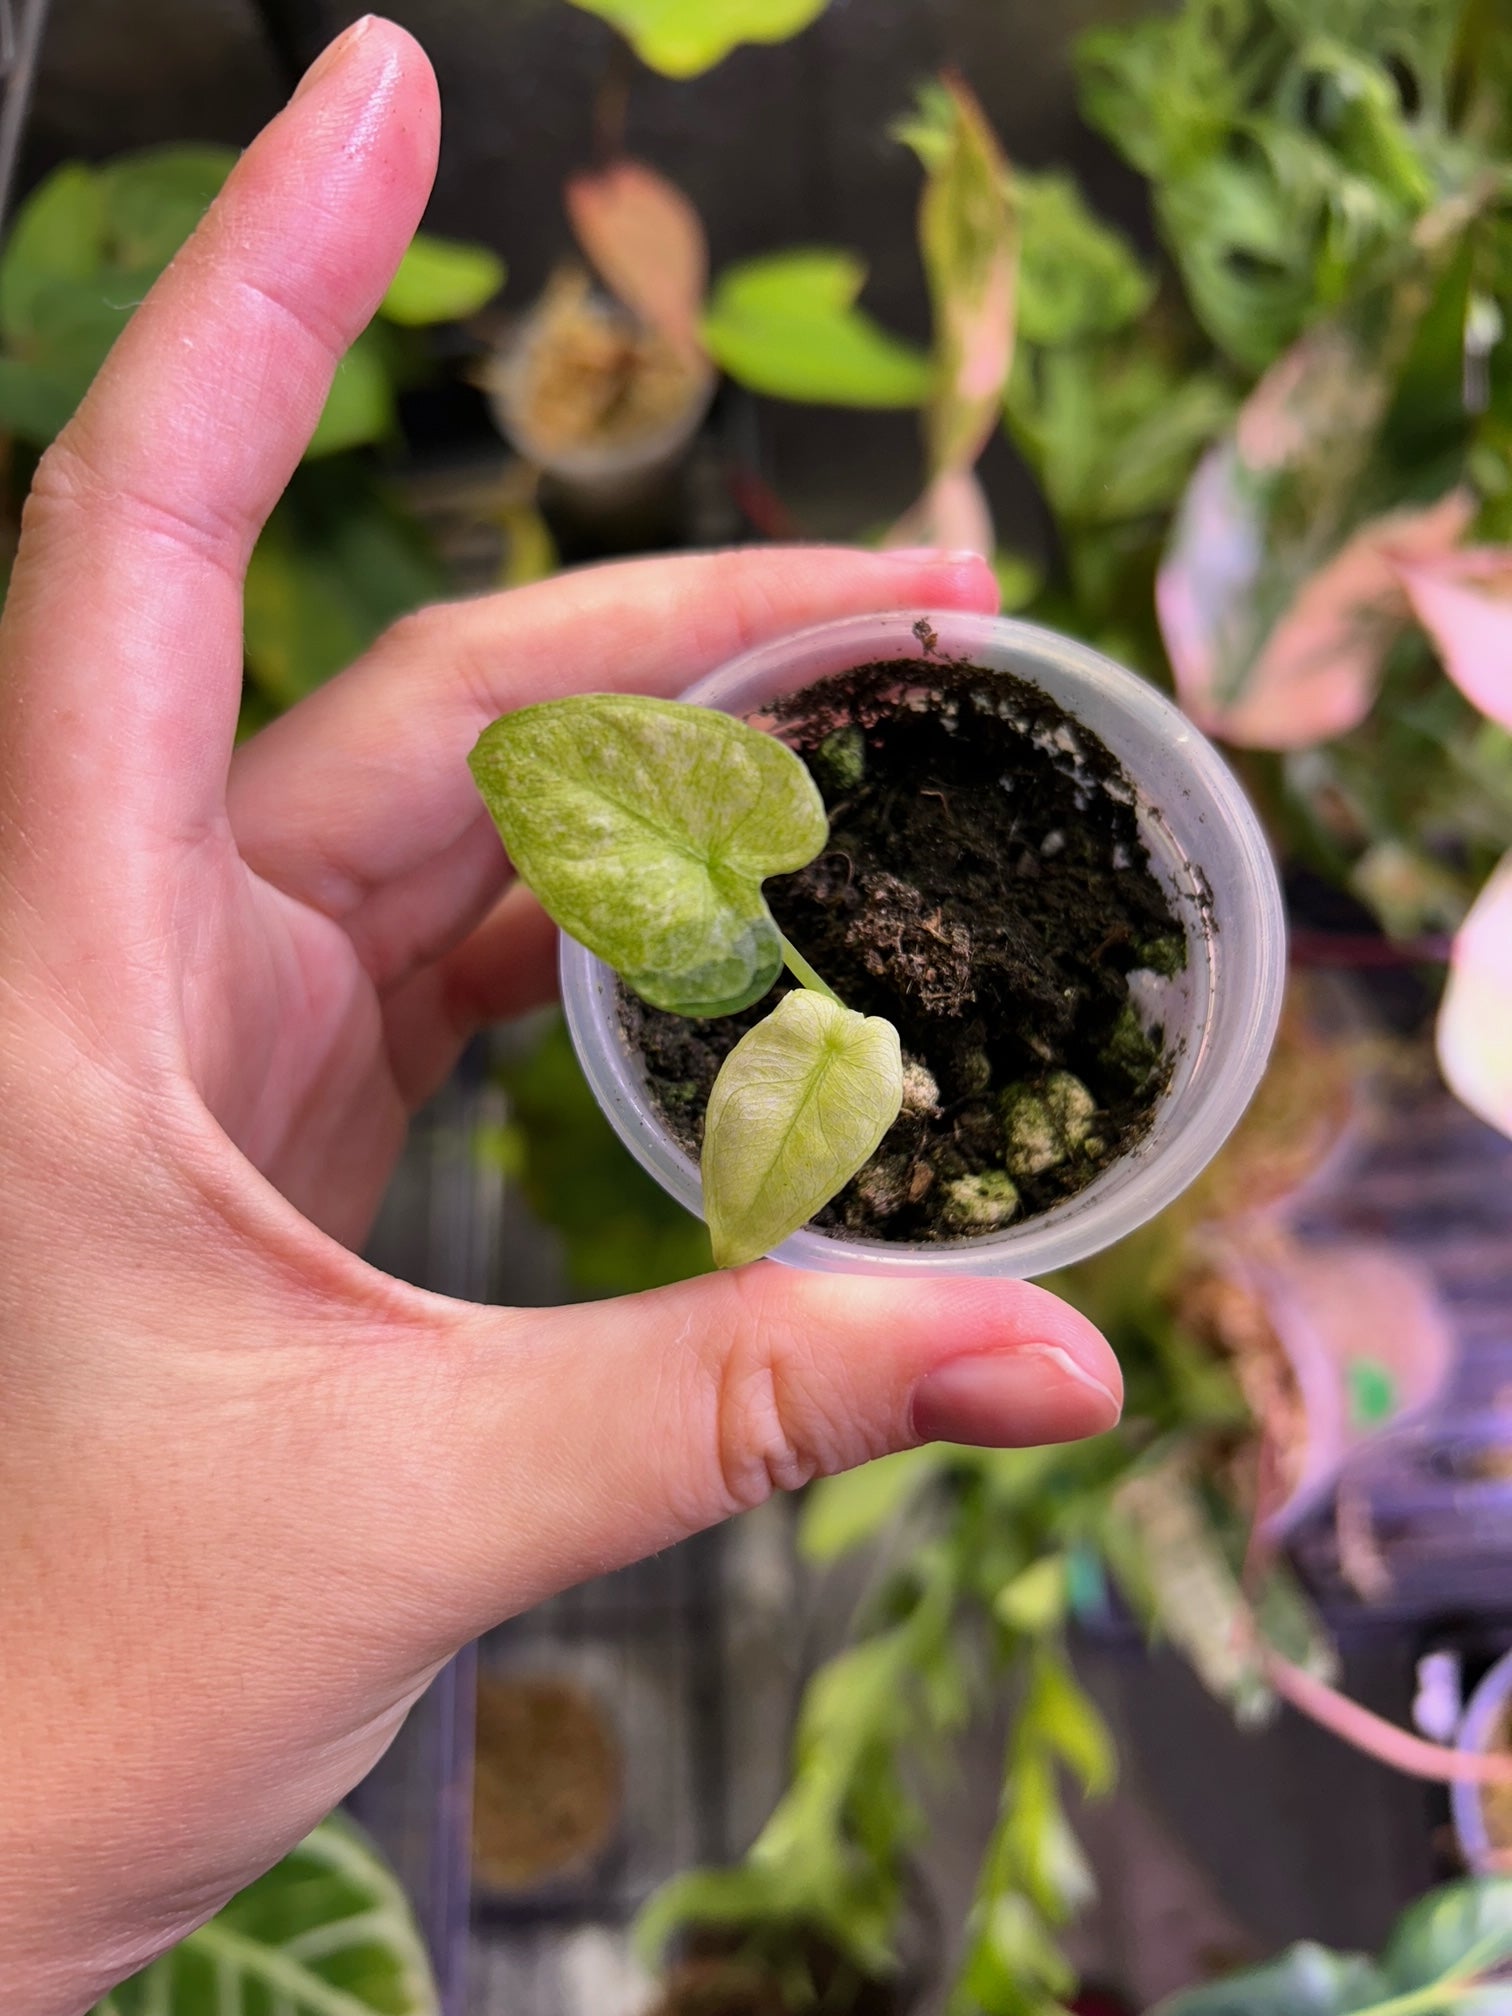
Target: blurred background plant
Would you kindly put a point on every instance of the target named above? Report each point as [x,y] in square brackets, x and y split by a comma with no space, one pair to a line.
[340,557]
[1262,465]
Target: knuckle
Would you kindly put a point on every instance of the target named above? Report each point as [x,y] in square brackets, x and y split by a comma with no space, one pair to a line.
[69,484]
[60,483]
[776,1423]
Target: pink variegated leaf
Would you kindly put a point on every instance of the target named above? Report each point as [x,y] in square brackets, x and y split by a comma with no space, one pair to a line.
[1315,671]
[1464,601]
[1316,395]
[1475,1018]
[1364,1332]
[952,514]
[969,240]
[1278,606]
[647,242]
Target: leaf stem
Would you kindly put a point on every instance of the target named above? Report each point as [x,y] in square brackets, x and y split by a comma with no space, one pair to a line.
[805,975]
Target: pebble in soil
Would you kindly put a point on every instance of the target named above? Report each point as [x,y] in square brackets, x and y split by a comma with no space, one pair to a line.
[986,889]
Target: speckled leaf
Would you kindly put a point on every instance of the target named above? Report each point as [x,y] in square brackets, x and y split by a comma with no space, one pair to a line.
[799,1104]
[646,828]
[327,1932]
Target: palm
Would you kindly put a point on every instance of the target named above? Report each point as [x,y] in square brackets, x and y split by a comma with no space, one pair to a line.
[291,1056]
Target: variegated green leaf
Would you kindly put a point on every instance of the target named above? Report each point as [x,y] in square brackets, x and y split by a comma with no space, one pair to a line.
[646,828]
[969,241]
[327,1932]
[799,1104]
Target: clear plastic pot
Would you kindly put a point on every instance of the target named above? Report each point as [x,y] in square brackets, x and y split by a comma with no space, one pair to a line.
[1480,1727]
[598,477]
[1207,848]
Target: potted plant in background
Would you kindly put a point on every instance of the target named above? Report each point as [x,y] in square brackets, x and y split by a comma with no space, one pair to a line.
[341,556]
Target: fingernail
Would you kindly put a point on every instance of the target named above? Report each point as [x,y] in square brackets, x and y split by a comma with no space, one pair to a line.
[1011,1399]
[934,556]
[333,57]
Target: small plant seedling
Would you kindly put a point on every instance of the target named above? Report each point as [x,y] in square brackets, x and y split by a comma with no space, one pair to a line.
[646,829]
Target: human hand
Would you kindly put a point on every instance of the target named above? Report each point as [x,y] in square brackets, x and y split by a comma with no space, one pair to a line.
[254,1492]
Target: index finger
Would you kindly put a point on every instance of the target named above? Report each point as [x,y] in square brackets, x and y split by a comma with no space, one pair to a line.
[122,633]
[359,801]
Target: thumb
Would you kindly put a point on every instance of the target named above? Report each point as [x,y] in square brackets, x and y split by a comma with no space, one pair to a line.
[595,1435]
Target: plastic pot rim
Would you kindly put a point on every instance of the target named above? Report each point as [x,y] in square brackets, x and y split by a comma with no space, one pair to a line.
[1206,843]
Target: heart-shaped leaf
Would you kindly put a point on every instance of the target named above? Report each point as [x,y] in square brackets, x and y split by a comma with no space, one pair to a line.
[799,1104]
[327,1932]
[646,828]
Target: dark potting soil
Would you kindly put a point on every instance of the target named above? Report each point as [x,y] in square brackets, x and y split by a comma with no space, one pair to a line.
[986,889]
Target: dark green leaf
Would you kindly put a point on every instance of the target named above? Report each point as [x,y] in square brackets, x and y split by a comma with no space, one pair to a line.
[1307,1980]
[359,408]
[1077,276]
[622,1233]
[336,564]
[154,200]
[35,403]
[1463,1927]
[58,234]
